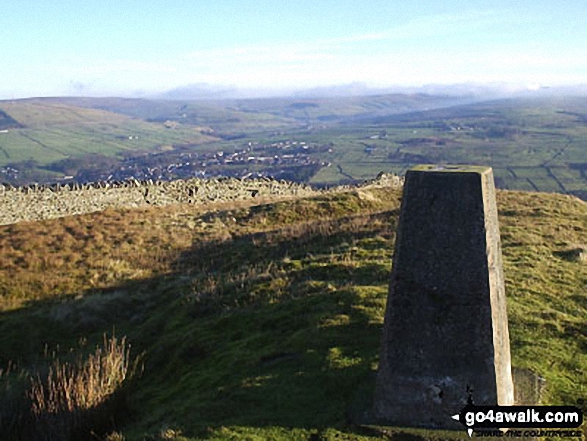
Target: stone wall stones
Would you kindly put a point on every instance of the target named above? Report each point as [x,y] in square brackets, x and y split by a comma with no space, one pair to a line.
[44,202]
[36,202]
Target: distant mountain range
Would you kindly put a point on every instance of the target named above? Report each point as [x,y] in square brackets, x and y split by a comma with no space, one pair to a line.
[205,91]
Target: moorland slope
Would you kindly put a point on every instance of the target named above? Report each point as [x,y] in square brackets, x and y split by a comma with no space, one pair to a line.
[263,321]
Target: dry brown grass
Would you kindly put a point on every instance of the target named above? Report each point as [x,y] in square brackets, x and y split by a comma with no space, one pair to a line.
[68,399]
[52,258]
[72,388]
[59,257]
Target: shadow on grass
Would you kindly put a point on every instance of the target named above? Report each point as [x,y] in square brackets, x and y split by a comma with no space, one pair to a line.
[257,331]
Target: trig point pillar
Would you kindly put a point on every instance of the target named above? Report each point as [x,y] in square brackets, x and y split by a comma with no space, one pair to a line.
[445,334]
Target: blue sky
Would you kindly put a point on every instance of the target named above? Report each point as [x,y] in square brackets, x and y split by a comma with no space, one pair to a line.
[127,47]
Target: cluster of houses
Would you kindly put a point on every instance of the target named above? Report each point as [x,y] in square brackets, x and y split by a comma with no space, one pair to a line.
[252,159]
[8,173]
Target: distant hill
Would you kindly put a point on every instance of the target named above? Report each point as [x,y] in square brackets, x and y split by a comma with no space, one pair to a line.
[345,109]
[477,91]
[281,111]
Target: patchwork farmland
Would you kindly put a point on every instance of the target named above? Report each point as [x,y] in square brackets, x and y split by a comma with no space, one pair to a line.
[533,144]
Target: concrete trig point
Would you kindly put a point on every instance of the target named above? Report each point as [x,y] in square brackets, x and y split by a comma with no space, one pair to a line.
[445,334]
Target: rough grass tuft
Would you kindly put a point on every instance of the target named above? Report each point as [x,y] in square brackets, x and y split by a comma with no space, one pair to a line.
[68,399]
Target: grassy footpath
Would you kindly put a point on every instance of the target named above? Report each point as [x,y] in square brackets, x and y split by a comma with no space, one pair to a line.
[263,322]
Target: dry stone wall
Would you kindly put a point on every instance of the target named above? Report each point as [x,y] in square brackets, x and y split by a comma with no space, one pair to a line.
[50,201]
[45,202]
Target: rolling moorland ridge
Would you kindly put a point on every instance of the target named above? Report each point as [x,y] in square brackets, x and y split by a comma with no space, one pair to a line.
[256,319]
[532,143]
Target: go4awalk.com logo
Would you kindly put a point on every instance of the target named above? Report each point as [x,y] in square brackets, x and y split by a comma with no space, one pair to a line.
[482,418]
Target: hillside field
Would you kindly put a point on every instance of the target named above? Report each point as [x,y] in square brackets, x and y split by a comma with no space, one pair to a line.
[49,131]
[264,321]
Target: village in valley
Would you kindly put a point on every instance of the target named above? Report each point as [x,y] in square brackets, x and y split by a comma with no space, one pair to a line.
[278,159]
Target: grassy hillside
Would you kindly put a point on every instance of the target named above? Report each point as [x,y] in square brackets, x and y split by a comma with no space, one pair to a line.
[255,115]
[263,322]
[224,117]
[344,109]
[50,131]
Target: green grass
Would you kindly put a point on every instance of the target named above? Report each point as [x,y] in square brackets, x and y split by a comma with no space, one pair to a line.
[264,322]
